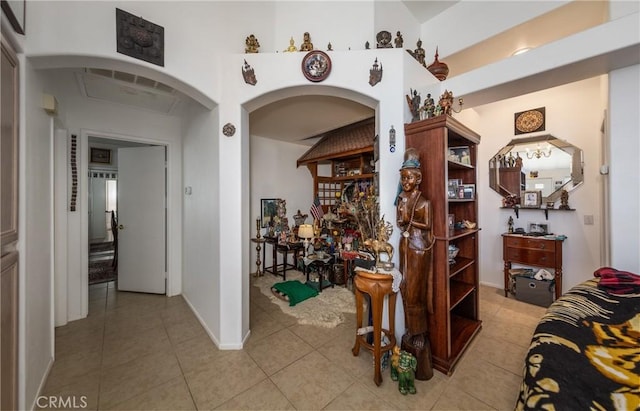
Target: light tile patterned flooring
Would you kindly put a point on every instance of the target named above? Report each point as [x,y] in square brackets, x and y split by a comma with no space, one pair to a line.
[147,352]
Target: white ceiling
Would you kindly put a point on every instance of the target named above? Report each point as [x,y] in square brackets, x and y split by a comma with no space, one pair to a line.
[299,119]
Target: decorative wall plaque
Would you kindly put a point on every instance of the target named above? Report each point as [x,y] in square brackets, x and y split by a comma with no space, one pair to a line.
[529,121]
[74,173]
[228,129]
[139,38]
[249,74]
[375,73]
[316,65]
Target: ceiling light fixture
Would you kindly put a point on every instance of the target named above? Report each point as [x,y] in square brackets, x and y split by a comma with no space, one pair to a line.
[521,51]
[539,153]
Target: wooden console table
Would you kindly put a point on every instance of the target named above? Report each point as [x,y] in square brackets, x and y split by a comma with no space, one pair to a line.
[534,251]
[285,250]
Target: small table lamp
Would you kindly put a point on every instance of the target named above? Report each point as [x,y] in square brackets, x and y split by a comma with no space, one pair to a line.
[305,231]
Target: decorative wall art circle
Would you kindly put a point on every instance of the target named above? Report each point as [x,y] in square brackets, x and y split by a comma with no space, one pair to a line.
[316,65]
[228,129]
[530,121]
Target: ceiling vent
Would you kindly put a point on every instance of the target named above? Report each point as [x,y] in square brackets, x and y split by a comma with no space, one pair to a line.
[129,89]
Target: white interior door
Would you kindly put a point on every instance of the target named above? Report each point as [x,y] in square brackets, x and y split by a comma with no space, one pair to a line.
[141,219]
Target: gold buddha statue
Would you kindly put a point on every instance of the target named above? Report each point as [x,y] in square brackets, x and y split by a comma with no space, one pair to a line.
[307,45]
[291,47]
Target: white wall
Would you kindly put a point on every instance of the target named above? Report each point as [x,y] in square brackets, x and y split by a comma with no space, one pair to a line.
[274,175]
[36,239]
[574,113]
[201,215]
[624,166]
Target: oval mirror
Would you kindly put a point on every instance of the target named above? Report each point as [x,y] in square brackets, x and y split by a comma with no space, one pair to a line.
[538,163]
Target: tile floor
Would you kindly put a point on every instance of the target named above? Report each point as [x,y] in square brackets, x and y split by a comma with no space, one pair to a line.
[147,352]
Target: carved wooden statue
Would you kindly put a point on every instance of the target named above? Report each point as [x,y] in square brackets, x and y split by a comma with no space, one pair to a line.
[414,217]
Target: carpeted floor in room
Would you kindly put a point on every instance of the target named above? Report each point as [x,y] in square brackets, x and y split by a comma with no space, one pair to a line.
[101,267]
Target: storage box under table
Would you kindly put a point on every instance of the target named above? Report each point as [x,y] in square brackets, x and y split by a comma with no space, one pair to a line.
[532,291]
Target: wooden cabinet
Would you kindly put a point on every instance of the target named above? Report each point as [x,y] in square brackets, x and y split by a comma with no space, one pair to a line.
[341,159]
[455,320]
[345,173]
[534,251]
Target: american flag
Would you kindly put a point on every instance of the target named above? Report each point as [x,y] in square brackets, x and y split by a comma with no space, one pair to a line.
[316,209]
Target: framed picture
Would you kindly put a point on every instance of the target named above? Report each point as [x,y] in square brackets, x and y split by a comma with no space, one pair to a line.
[100,155]
[529,121]
[538,228]
[14,10]
[460,154]
[452,221]
[468,191]
[531,199]
[316,65]
[452,188]
[268,210]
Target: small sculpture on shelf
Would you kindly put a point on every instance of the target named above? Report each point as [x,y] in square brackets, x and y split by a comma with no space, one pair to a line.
[418,53]
[384,40]
[428,107]
[307,45]
[446,101]
[446,104]
[251,44]
[438,68]
[291,47]
[399,41]
[413,100]
[564,200]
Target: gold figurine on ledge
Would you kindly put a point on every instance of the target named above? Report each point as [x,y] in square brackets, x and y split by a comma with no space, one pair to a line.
[291,47]
[307,45]
[252,44]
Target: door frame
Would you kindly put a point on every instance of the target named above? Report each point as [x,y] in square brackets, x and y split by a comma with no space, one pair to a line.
[173,236]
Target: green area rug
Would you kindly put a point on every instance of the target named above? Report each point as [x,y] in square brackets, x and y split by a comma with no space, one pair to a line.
[294,291]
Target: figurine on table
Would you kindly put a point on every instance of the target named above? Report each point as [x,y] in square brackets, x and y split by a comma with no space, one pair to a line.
[510,223]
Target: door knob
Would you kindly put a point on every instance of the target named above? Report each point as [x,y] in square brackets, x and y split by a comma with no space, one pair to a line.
[120,227]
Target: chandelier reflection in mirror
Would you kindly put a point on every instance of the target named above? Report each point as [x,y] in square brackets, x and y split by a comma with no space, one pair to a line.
[539,153]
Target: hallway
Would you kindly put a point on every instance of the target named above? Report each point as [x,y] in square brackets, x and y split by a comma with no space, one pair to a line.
[140,351]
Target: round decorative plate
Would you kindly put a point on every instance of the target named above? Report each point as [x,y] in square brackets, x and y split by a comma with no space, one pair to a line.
[228,129]
[529,121]
[316,65]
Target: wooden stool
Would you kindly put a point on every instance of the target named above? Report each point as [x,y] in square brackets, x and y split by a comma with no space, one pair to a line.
[376,286]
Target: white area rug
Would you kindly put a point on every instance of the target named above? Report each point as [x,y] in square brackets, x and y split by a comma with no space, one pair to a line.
[325,310]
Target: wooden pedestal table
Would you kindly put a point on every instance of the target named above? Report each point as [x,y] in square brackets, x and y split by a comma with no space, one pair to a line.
[377,286]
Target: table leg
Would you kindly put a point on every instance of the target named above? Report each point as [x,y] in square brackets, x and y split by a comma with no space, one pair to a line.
[258,262]
[359,301]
